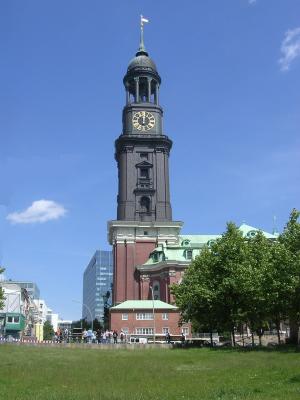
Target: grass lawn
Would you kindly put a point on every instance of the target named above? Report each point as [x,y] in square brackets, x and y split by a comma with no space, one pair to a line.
[68,373]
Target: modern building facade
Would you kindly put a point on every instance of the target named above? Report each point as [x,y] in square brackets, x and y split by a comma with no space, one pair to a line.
[97,285]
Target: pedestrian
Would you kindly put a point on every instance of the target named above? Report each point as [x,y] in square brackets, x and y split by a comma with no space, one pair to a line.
[84,336]
[168,338]
[104,337]
[182,339]
[122,336]
[98,335]
[115,336]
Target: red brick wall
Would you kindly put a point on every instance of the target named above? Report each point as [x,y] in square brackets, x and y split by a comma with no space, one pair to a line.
[132,323]
[126,257]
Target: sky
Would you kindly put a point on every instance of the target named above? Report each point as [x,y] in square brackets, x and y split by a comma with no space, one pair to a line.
[230,92]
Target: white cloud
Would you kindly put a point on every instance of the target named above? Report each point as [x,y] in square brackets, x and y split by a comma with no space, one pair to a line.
[252,1]
[290,48]
[39,211]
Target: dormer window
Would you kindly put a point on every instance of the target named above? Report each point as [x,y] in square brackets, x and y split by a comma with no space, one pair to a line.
[211,242]
[186,243]
[188,254]
[251,234]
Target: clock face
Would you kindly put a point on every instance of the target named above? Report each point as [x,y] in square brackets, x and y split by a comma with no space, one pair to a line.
[143,121]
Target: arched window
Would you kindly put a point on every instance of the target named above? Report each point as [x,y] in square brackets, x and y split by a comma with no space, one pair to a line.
[145,204]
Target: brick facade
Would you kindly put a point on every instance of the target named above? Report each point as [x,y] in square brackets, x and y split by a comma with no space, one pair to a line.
[131,325]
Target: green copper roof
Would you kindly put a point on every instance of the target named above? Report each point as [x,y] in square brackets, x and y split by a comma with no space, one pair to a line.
[180,252]
[143,305]
[247,230]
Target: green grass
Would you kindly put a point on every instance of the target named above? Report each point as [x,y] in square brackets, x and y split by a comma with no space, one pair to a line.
[37,373]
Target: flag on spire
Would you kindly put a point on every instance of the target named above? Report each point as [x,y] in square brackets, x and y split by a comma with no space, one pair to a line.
[144,20]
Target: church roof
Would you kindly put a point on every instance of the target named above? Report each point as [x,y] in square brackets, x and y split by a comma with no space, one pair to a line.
[141,62]
[180,254]
[143,305]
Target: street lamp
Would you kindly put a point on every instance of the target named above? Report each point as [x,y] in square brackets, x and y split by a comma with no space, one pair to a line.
[151,287]
[89,310]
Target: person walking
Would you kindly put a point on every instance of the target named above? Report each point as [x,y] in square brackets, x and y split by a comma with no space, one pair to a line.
[115,336]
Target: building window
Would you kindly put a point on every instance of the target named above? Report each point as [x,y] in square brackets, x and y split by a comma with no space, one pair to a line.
[13,320]
[144,156]
[124,317]
[165,316]
[145,204]
[144,316]
[188,254]
[144,331]
[185,331]
[165,330]
[144,173]
[156,290]
[125,330]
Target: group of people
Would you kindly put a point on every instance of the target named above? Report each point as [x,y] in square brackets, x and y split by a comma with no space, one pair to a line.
[88,336]
[61,335]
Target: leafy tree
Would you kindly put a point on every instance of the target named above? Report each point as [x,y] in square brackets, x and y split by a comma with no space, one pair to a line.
[290,238]
[231,278]
[1,291]
[196,295]
[260,257]
[48,331]
[279,284]
[216,287]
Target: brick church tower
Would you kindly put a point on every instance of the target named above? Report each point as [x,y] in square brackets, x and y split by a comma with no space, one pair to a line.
[144,213]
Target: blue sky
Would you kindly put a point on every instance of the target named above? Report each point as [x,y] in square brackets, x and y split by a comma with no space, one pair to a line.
[230,91]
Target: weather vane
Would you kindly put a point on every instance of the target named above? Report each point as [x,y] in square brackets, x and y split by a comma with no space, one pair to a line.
[143,21]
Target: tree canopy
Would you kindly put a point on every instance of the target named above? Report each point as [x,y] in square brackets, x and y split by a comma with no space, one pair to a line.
[243,281]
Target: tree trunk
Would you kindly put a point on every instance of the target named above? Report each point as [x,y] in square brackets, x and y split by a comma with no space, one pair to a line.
[233,337]
[252,337]
[259,338]
[278,331]
[211,338]
[294,332]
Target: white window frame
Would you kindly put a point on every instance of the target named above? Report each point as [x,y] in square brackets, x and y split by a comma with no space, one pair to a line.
[165,330]
[185,330]
[144,331]
[125,317]
[165,316]
[144,316]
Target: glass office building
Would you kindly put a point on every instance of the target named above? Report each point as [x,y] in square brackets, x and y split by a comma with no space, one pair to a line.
[97,281]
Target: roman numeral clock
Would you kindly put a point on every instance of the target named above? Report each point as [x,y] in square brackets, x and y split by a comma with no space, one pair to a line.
[143,121]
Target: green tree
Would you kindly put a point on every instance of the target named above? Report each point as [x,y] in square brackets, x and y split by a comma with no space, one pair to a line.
[196,295]
[279,284]
[216,288]
[48,331]
[260,258]
[1,291]
[290,238]
[231,278]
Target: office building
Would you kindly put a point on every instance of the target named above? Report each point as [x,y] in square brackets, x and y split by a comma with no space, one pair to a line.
[97,285]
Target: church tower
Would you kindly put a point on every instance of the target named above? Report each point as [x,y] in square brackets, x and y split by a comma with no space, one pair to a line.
[142,150]
[144,214]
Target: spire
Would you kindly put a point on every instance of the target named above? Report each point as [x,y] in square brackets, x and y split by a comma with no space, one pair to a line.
[142,49]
